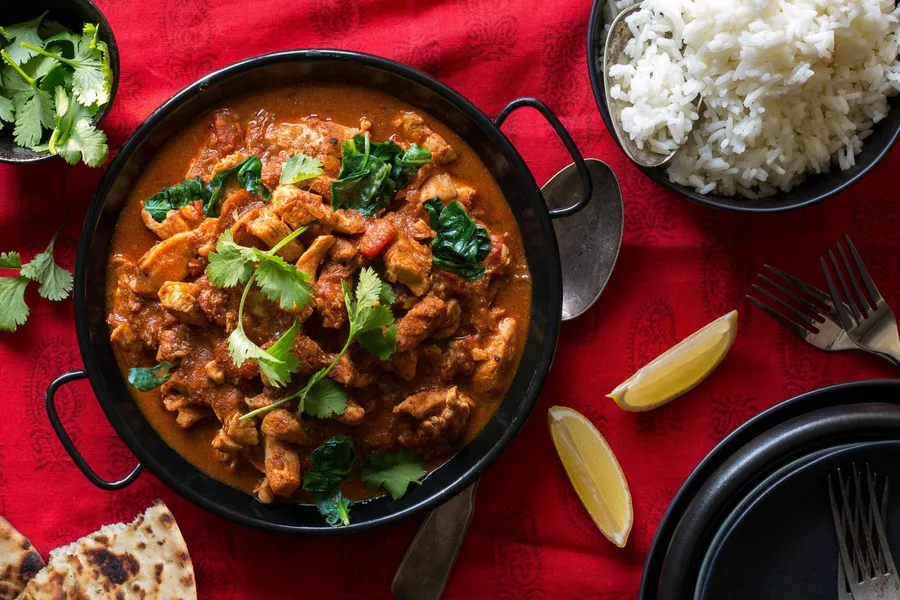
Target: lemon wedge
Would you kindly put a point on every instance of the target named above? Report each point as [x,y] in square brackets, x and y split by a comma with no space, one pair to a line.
[594,472]
[679,369]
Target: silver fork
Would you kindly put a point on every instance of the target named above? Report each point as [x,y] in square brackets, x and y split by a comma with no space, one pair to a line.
[812,317]
[867,562]
[868,320]
[844,591]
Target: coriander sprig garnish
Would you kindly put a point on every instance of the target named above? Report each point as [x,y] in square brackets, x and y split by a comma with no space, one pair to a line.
[55,284]
[372,324]
[231,264]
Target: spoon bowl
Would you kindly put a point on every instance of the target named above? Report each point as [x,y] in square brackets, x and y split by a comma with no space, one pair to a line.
[619,36]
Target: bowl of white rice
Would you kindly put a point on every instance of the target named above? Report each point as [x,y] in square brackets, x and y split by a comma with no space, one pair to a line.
[800,97]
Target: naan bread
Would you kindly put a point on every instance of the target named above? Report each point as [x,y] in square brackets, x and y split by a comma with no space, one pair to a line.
[144,560]
[19,561]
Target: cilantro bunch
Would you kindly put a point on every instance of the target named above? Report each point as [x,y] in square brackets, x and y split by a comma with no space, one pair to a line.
[55,284]
[53,80]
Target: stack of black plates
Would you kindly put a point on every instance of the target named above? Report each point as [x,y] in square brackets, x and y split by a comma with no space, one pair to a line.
[753,521]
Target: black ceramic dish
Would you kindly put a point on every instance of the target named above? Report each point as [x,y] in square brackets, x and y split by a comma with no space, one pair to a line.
[751,464]
[415,88]
[815,189]
[73,14]
[857,393]
[783,545]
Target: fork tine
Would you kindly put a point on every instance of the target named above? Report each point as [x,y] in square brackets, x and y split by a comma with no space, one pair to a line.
[809,306]
[865,508]
[839,516]
[862,568]
[804,318]
[864,272]
[888,564]
[864,304]
[815,292]
[796,329]
[851,302]
[840,309]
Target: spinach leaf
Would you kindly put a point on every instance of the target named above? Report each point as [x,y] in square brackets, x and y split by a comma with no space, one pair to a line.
[173,197]
[249,175]
[331,463]
[145,379]
[335,508]
[372,172]
[461,245]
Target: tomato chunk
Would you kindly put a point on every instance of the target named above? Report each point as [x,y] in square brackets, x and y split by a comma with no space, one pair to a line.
[376,238]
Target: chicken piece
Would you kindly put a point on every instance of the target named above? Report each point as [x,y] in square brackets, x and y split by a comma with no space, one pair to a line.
[353,413]
[312,136]
[242,432]
[248,370]
[330,295]
[373,242]
[214,372]
[449,322]
[312,258]
[223,443]
[236,204]
[271,230]
[414,129]
[416,325]
[310,354]
[404,364]
[284,425]
[188,416]
[264,492]
[218,305]
[498,260]
[168,260]
[343,251]
[180,299]
[176,221]
[494,357]
[267,397]
[176,342]
[224,138]
[408,262]
[282,467]
[411,225]
[442,416]
[456,360]
[349,373]
[298,207]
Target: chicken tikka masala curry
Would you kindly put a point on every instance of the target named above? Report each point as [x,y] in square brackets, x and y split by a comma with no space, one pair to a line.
[318,293]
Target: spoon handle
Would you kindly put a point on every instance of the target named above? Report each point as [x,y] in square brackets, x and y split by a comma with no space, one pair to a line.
[424,571]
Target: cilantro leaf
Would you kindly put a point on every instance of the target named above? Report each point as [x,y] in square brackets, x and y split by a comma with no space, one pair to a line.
[13,310]
[74,136]
[393,471]
[148,378]
[380,342]
[243,348]
[10,260]
[324,398]
[34,110]
[335,508]
[282,283]
[56,282]
[230,263]
[26,32]
[300,167]
[278,374]
[7,110]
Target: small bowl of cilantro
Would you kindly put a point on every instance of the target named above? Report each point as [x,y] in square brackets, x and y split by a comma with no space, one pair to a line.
[59,66]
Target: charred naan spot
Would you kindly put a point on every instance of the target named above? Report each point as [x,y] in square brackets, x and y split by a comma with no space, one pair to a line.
[158,571]
[183,557]
[101,539]
[120,595]
[187,580]
[117,568]
[142,546]
[31,564]
[26,545]
[6,574]
[149,530]
[167,518]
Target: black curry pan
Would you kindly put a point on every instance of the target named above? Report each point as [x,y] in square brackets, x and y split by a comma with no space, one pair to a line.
[415,88]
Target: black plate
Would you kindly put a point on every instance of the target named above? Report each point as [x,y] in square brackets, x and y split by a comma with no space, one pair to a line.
[783,545]
[308,66]
[856,393]
[815,189]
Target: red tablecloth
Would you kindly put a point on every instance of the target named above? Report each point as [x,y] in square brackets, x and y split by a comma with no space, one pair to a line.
[681,266]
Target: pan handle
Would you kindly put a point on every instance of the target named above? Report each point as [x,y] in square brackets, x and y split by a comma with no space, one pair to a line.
[49,400]
[559,128]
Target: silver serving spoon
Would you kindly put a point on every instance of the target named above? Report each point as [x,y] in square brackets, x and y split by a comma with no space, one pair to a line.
[588,247]
[619,36]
